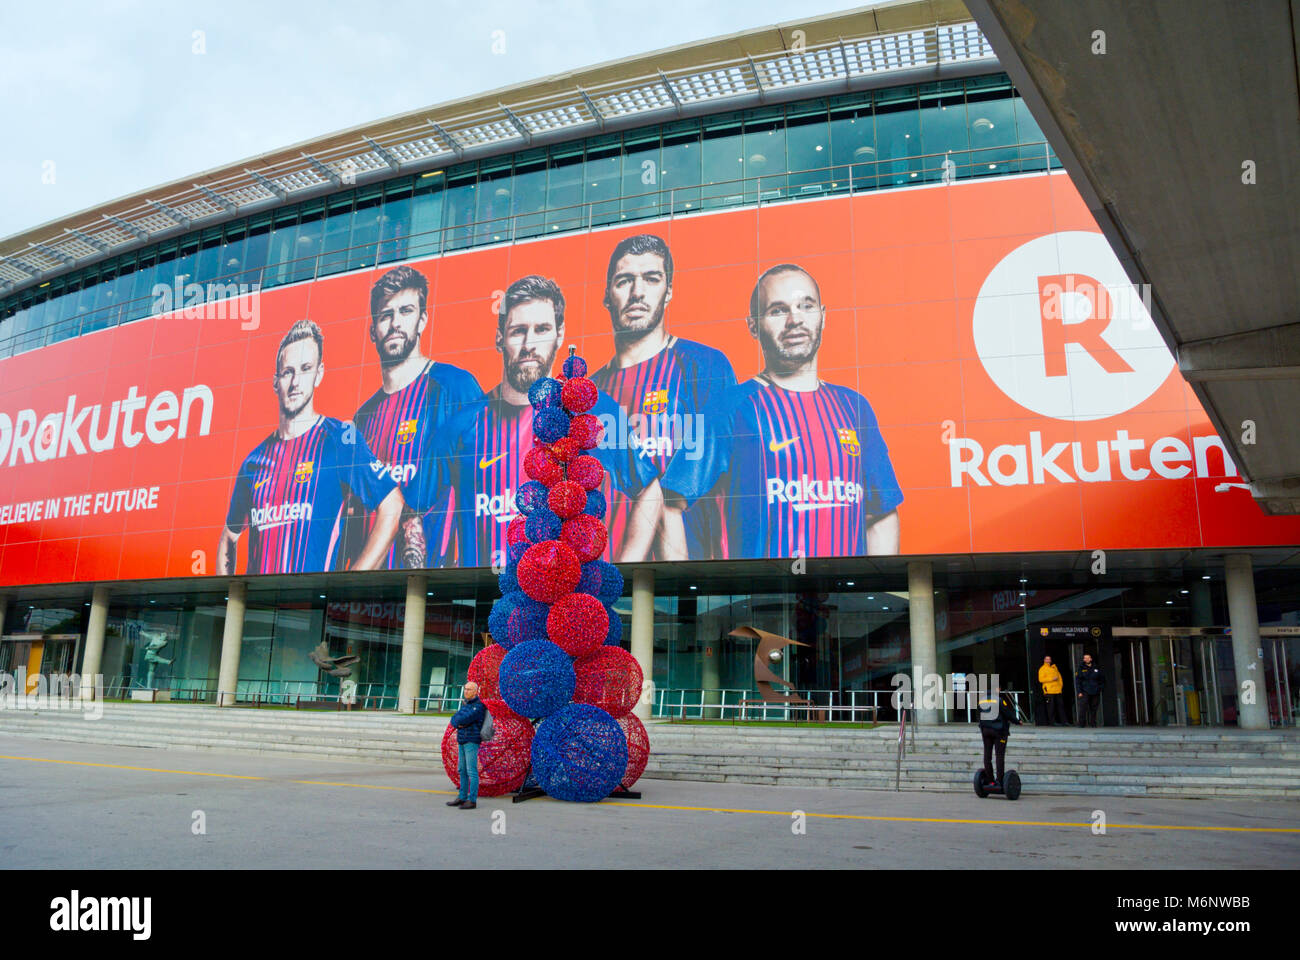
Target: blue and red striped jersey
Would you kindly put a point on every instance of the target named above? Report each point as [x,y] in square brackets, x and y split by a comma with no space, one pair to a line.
[399,427]
[289,494]
[666,400]
[799,471]
[482,459]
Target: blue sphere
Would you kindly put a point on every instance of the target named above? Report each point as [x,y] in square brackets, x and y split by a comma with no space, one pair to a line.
[574,366]
[595,504]
[615,636]
[543,525]
[531,497]
[515,551]
[544,394]
[611,582]
[508,579]
[499,618]
[537,678]
[579,753]
[550,424]
[589,582]
[527,622]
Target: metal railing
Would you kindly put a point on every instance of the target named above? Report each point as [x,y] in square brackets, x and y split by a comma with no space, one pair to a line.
[741,704]
[840,179]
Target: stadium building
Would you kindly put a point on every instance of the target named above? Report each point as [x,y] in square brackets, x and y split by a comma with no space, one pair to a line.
[874,380]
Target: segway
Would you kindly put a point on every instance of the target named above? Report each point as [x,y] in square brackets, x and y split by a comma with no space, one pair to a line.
[1010,786]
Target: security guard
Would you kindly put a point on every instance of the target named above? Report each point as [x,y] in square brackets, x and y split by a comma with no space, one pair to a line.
[996,717]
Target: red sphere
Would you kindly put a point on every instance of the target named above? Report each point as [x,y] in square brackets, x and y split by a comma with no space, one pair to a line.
[586,535]
[567,499]
[578,624]
[587,470]
[638,748]
[586,428]
[541,466]
[549,570]
[503,762]
[565,449]
[609,678]
[515,532]
[579,394]
[483,670]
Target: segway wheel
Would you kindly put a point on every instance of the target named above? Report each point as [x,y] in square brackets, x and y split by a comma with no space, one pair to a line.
[1013,785]
[981,784]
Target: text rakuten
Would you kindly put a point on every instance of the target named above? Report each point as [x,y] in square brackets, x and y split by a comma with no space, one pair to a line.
[1011,465]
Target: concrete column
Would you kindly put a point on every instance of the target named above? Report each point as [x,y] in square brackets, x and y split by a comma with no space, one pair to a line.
[643,635]
[1243,617]
[232,641]
[920,605]
[408,682]
[93,659]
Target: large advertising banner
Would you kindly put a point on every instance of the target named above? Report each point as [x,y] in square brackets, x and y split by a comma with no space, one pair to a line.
[958,368]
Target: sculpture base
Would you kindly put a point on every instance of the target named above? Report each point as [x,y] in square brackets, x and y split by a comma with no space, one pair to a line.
[526,793]
[623,793]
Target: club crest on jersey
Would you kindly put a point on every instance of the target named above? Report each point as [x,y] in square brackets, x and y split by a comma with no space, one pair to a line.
[406,430]
[302,473]
[655,402]
[849,441]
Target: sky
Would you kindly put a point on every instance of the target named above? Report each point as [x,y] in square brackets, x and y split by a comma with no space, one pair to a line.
[101,99]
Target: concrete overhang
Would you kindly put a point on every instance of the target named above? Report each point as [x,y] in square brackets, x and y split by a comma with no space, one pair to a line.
[1179,123]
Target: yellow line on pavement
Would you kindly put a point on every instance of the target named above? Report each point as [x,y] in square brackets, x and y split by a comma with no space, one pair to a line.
[1001,823]
[690,809]
[120,766]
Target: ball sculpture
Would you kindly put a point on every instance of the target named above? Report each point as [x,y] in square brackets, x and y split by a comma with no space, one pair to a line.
[638,748]
[504,761]
[557,657]
[484,669]
[579,754]
[578,624]
[536,679]
[610,679]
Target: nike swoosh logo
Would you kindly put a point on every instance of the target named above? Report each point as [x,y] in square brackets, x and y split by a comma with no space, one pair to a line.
[484,464]
[778,447]
[259,483]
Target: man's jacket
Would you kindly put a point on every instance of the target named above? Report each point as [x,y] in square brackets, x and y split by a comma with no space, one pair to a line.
[1089,680]
[468,721]
[1006,714]
[1050,678]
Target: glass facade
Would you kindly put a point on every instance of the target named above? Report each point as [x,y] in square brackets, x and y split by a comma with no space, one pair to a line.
[864,141]
[1156,629]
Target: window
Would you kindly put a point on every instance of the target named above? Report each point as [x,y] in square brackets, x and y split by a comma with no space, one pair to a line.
[722,162]
[365,227]
[604,159]
[765,165]
[680,172]
[808,157]
[944,138]
[426,214]
[461,183]
[306,245]
[898,137]
[641,176]
[395,222]
[853,148]
[335,233]
[564,190]
[529,199]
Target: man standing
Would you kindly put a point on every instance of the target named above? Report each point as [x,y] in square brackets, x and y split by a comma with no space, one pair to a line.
[400,420]
[666,387]
[1088,681]
[803,466]
[483,446]
[290,490]
[468,721]
[1050,678]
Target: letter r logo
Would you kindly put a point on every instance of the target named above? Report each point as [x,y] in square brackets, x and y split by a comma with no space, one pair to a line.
[1086,332]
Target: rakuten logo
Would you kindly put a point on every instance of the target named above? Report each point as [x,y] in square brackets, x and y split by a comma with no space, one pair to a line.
[1061,330]
[279,514]
[808,494]
[1013,464]
[500,508]
[28,437]
[402,473]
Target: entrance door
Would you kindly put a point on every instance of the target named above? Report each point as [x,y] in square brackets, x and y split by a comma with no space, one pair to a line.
[1132,680]
[1282,679]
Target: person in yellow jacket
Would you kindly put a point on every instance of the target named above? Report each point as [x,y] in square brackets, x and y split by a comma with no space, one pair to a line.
[1050,679]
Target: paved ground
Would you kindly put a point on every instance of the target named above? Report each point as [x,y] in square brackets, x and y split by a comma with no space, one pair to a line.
[71,805]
